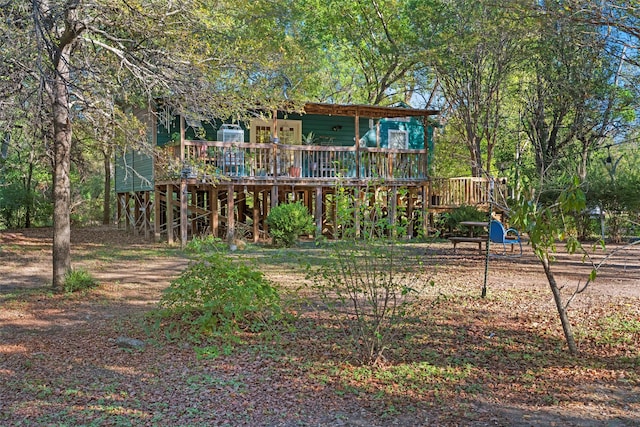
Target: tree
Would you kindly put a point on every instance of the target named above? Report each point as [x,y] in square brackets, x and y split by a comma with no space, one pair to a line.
[474,47]
[572,90]
[365,51]
[23,167]
[91,54]
[545,225]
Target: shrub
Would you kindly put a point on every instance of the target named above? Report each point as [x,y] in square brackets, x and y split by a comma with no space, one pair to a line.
[78,280]
[217,296]
[205,244]
[369,287]
[451,220]
[287,222]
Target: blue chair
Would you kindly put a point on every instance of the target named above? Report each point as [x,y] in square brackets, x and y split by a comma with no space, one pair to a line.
[509,236]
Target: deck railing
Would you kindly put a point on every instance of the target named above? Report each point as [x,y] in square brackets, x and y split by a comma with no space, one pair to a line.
[449,193]
[306,161]
[311,163]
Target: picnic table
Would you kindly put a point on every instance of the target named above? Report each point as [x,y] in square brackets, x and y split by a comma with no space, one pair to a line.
[470,238]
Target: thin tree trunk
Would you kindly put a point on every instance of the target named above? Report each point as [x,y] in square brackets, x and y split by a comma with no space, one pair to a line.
[106,206]
[562,312]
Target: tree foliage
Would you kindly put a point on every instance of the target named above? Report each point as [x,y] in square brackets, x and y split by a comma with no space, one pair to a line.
[93,59]
[365,51]
[473,46]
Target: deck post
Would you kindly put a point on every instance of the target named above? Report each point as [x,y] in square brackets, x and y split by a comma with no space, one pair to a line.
[127,212]
[147,214]
[231,223]
[213,210]
[170,214]
[119,210]
[410,224]
[137,206]
[334,214]
[425,210]
[256,215]
[156,214]
[265,210]
[184,196]
[194,215]
[356,210]
[393,209]
[318,211]
[274,196]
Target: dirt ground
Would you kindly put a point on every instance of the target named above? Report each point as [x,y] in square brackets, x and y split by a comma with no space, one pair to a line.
[55,348]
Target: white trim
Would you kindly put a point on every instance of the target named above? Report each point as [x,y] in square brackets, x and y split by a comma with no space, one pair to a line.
[289,131]
[398,138]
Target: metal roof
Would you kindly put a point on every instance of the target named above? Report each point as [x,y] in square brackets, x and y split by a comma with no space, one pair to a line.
[368,111]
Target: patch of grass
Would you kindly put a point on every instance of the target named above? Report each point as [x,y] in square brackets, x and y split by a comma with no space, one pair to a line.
[79,280]
[201,380]
[616,329]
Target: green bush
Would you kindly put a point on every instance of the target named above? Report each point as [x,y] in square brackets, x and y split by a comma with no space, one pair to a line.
[205,244]
[287,222]
[450,221]
[78,280]
[216,296]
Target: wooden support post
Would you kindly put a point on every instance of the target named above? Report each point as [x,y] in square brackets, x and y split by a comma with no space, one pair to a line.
[231,223]
[256,215]
[274,196]
[307,200]
[194,215]
[119,209]
[242,206]
[127,212]
[334,215]
[410,207]
[265,210]
[157,213]
[170,237]
[393,210]
[147,214]
[425,210]
[213,211]
[356,210]
[318,211]
[184,212]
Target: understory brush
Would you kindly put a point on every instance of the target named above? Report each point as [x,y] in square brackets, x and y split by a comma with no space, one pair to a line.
[218,297]
[371,289]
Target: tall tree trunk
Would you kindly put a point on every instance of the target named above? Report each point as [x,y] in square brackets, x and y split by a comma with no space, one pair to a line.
[61,168]
[106,205]
[562,312]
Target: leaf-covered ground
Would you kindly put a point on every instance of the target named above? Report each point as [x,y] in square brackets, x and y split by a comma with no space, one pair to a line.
[460,360]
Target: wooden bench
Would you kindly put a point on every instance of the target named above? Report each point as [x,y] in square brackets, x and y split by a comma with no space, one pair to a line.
[467,239]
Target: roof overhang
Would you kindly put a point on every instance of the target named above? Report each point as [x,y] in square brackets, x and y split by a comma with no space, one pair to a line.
[368,111]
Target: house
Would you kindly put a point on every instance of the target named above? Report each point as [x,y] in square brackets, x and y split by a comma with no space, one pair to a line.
[222,178]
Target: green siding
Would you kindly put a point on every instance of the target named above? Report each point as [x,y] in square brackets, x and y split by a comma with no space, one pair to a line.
[133,172]
[413,127]
[332,130]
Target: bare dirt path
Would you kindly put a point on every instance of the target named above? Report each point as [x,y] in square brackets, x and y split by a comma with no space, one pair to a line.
[60,365]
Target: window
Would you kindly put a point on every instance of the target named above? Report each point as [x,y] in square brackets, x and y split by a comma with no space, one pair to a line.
[398,139]
[289,131]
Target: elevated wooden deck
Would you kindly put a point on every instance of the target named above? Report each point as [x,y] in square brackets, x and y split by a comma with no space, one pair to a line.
[227,189]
